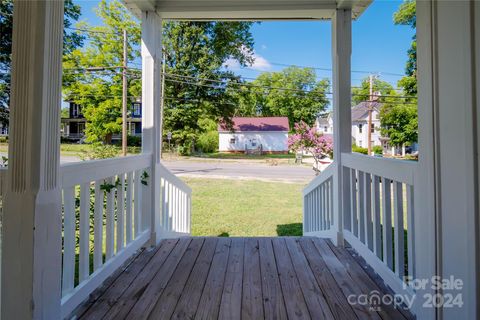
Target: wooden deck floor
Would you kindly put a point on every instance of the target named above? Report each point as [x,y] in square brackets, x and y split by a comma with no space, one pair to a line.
[238,278]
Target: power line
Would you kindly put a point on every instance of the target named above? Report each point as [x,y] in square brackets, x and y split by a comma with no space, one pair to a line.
[92,31]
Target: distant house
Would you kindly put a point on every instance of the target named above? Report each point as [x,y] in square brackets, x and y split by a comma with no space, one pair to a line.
[359,126]
[73,127]
[261,134]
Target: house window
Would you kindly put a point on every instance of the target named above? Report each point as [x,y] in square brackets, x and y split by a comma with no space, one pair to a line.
[132,128]
[372,128]
[76,110]
[254,142]
[232,140]
[325,129]
[137,109]
[360,128]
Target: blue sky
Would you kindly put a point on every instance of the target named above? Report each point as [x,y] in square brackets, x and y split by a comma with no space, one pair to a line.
[378,45]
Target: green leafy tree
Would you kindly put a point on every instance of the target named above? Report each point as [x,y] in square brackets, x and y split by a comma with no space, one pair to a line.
[71,40]
[399,120]
[385,89]
[302,97]
[99,92]
[407,15]
[399,123]
[197,51]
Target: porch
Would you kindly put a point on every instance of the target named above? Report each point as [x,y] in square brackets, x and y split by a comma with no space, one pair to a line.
[240,278]
[68,229]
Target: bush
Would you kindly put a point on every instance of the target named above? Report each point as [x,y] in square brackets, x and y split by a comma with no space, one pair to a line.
[134,141]
[358,149]
[4,139]
[377,149]
[186,148]
[207,142]
[99,151]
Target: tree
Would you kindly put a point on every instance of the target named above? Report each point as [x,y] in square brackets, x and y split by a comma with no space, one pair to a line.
[197,86]
[363,93]
[308,139]
[407,15]
[300,96]
[71,40]
[100,92]
[195,51]
[399,123]
[399,120]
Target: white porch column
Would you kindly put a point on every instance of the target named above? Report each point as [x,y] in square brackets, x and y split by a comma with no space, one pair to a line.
[32,229]
[151,115]
[342,127]
[447,201]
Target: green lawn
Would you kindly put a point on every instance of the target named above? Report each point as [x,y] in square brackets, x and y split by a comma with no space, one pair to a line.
[245,208]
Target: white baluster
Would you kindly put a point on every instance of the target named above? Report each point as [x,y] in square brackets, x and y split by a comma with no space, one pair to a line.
[98,227]
[399,229]
[84,261]
[68,239]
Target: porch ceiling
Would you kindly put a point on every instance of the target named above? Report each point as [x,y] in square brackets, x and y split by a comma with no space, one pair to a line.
[247,9]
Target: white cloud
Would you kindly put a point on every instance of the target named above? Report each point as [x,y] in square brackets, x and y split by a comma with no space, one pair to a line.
[264,47]
[260,63]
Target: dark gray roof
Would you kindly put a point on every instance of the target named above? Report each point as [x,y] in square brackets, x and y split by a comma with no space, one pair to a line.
[360,111]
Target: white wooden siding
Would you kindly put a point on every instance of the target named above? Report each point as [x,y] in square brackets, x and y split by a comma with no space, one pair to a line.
[270,141]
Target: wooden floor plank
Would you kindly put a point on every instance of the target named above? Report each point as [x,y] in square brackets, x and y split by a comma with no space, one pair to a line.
[294,300]
[338,303]
[231,303]
[190,298]
[314,296]
[273,303]
[346,283]
[359,274]
[212,292]
[239,278]
[252,306]
[154,289]
[110,297]
[131,295]
[168,299]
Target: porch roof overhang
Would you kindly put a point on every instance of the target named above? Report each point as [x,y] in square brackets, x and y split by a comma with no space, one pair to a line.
[246,9]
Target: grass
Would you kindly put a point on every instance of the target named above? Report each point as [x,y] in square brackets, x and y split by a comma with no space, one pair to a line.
[76,149]
[245,208]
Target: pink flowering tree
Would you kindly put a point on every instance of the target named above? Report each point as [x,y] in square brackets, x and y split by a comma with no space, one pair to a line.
[307,139]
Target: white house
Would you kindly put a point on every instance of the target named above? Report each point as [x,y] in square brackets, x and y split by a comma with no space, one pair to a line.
[359,125]
[263,134]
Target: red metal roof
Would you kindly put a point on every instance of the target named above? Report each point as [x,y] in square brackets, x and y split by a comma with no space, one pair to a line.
[242,124]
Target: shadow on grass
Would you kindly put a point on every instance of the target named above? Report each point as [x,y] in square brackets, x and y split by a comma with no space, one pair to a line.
[224,234]
[289,230]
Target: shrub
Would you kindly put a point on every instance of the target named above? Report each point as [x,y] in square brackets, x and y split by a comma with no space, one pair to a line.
[186,148]
[4,139]
[377,149]
[99,151]
[134,141]
[358,149]
[207,142]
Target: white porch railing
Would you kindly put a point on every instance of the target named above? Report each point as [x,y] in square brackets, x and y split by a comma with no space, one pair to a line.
[105,219]
[176,204]
[377,213]
[318,204]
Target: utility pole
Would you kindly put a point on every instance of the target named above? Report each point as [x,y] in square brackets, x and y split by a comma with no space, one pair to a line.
[370,109]
[124,95]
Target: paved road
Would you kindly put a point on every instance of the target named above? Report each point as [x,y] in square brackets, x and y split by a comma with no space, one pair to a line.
[258,170]
[241,170]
